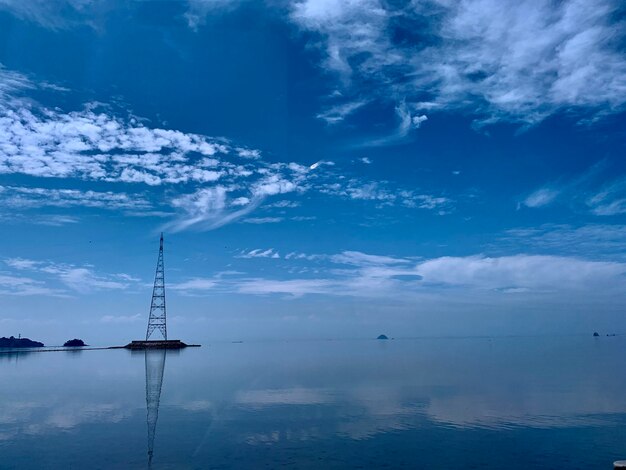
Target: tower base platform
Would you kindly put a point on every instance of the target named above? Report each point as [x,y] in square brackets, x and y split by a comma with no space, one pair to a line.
[162,344]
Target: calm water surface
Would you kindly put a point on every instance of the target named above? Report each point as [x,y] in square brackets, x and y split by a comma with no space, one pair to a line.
[422,403]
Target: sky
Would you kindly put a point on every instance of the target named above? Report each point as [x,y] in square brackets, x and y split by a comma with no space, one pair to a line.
[319,168]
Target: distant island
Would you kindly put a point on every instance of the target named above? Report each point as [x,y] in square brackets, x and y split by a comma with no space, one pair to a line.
[74,343]
[382,337]
[13,342]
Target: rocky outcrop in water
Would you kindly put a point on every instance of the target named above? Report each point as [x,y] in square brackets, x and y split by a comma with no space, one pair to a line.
[13,342]
[74,343]
[382,337]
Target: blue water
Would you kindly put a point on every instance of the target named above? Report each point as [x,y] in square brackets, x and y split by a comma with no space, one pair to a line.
[557,402]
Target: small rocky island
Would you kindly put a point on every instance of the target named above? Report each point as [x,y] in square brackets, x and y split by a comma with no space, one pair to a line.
[13,342]
[74,343]
[382,337]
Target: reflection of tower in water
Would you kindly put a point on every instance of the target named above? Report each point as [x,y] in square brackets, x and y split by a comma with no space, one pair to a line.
[155,364]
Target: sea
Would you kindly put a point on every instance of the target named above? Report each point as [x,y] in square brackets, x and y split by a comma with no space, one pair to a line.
[556,402]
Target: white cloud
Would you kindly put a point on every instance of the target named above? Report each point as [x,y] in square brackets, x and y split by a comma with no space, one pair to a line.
[94,145]
[55,14]
[206,209]
[24,197]
[610,199]
[263,220]
[240,201]
[121,318]
[25,286]
[383,195]
[597,240]
[21,263]
[292,287]
[358,258]
[284,204]
[272,185]
[426,201]
[194,284]
[596,190]
[319,163]
[363,275]
[248,153]
[52,220]
[55,220]
[615,207]
[541,197]
[370,191]
[336,114]
[407,121]
[12,82]
[516,62]
[82,279]
[532,272]
[223,182]
[197,10]
[299,256]
[418,120]
[260,253]
[349,28]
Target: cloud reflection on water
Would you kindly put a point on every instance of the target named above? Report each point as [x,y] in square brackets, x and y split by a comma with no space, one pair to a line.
[306,393]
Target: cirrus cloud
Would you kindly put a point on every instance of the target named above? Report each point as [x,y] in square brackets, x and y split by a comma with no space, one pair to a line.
[516,62]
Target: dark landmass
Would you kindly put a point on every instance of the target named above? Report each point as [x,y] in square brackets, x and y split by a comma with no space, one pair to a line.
[74,343]
[382,337]
[596,333]
[13,342]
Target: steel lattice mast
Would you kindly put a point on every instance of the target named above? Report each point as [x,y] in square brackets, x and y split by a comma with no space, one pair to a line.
[157,306]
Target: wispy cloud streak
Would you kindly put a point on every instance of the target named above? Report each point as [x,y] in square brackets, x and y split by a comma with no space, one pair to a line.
[362,275]
[502,62]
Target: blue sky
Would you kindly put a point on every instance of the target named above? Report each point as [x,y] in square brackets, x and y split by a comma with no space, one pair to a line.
[320,168]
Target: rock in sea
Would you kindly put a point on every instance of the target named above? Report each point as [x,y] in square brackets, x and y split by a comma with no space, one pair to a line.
[13,342]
